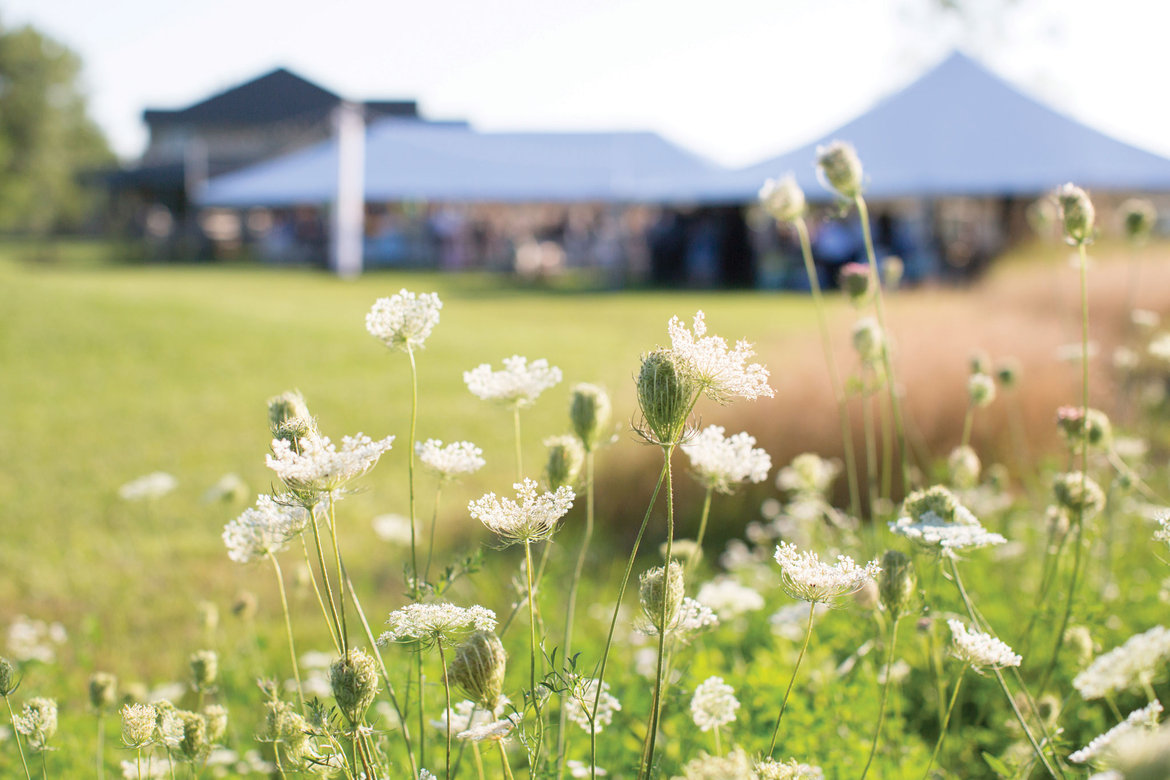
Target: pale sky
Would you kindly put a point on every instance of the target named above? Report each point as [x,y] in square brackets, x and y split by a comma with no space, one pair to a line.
[737,80]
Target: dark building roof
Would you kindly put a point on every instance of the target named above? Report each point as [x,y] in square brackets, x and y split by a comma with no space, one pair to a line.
[275,96]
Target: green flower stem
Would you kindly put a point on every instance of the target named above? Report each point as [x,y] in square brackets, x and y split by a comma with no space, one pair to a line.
[519,450]
[447,690]
[887,456]
[101,738]
[504,760]
[138,762]
[718,745]
[292,651]
[532,649]
[317,591]
[879,302]
[478,760]
[663,628]
[702,532]
[414,585]
[784,704]
[877,734]
[947,719]
[834,377]
[16,737]
[344,629]
[616,609]
[571,606]
[967,422]
[44,766]
[871,457]
[328,588]
[434,522]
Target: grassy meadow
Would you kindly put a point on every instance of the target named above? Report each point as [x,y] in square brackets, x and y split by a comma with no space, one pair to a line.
[111,371]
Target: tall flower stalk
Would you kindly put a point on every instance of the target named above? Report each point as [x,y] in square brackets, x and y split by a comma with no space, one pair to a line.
[8,685]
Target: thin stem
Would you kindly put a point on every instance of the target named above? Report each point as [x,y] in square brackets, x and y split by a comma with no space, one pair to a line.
[328,588]
[504,760]
[702,531]
[519,452]
[946,719]
[663,628]
[101,738]
[138,762]
[830,361]
[16,737]
[317,591]
[414,585]
[44,765]
[422,734]
[292,651]
[784,704]
[571,607]
[887,456]
[718,745]
[532,648]
[967,422]
[867,402]
[478,760]
[879,302]
[434,522]
[447,690]
[343,629]
[885,692]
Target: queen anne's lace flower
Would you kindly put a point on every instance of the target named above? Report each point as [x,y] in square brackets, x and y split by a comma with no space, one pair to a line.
[728,598]
[808,579]
[1132,665]
[980,650]
[771,769]
[808,473]
[691,618]
[579,705]
[467,715]
[37,722]
[936,520]
[1163,532]
[722,374]
[532,519]
[734,766]
[724,463]
[428,623]
[405,320]
[581,769]
[392,528]
[263,529]
[518,384]
[494,731]
[320,467]
[153,485]
[1144,719]
[714,704]
[454,460]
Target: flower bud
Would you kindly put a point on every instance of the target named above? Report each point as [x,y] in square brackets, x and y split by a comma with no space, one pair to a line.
[658,590]
[478,668]
[245,605]
[1008,372]
[896,582]
[840,167]
[354,680]
[194,742]
[102,690]
[854,280]
[1076,214]
[1138,218]
[783,198]
[8,681]
[1074,424]
[216,717]
[664,396]
[893,269]
[289,418]
[1076,492]
[979,362]
[589,412]
[138,722]
[565,458]
[204,669]
[981,390]
[868,340]
[964,467]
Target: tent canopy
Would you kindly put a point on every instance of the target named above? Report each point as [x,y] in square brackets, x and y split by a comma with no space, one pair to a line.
[408,160]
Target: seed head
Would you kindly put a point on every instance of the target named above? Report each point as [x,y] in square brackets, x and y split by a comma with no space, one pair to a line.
[665,395]
[981,390]
[783,198]
[565,458]
[897,582]
[964,467]
[1138,217]
[204,669]
[1076,214]
[102,690]
[1076,492]
[589,412]
[658,590]
[478,668]
[8,681]
[840,168]
[854,280]
[354,680]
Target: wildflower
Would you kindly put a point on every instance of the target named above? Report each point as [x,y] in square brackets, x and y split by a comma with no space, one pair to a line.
[783,198]
[714,704]
[354,680]
[1075,424]
[589,411]
[1142,754]
[319,467]
[404,320]
[964,466]
[490,732]
[566,455]
[517,385]
[204,669]
[839,168]
[728,598]
[1144,719]
[1134,664]
[581,769]
[468,714]
[8,683]
[138,724]
[288,727]
[34,640]
[532,519]
[429,623]
[153,485]
[980,650]
[289,418]
[981,390]
[734,766]
[392,528]
[455,460]
[934,518]
[854,280]
[216,717]
[263,529]
[1160,347]
[868,340]
[808,473]
[1163,532]
[579,705]
[691,618]
[38,722]
[665,397]
[806,578]
[897,582]
[478,667]
[661,592]
[1138,218]
[1076,213]
[103,690]
[722,464]
[194,742]
[771,769]
[721,374]
[1078,493]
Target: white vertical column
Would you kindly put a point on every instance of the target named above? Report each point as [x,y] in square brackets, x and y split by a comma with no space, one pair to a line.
[349,205]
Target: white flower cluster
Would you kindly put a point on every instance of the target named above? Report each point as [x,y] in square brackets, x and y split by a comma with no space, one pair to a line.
[494,731]
[722,373]
[581,769]
[728,598]
[265,528]
[405,320]
[1145,719]
[320,466]
[429,623]
[392,528]
[1163,532]
[35,640]
[808,473]
[37,721]
[692,618]
[452,461]
[808,579]
[735,765]
[1131,665]
[579,705]
[980,650]
[714,704]
[771,769]
[532,519]
[467,715]
[153,485]
[722,464]
[935,520]
[519,384]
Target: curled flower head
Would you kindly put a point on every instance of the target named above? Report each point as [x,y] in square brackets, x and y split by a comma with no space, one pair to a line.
[452,461]
[289,418]
[354,682]
[579,705]
[138,721]
[566,456]
[478,667]
[964,466]
[517,385]
[1076,214]
[430,623]
[1138,218]
[714,704]
[723,464]
[263,529]
[320,468]
[840,168]
[665,397]
[405,320]
[783,198]
[661,593]
[1134,664]
[531,519]
[807,578]
[589,411]
[721,373]
[980,650]
[897,582]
